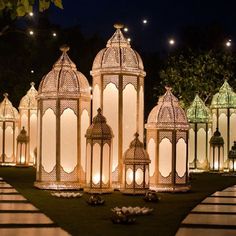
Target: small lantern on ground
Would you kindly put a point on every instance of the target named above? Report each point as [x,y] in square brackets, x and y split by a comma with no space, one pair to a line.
[217,152]
[22,157]
[232,158]
[136,168]
[98,163]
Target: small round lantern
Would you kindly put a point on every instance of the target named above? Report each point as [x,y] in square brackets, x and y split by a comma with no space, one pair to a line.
[136,168]
[22,157]
[217,152]
[98,164]
[232,158]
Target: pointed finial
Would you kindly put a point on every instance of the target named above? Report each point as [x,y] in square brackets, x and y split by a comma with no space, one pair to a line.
[136,135]
[168,89]
[118,26]
[32,84]
[5,95]
[99,110]
[64,48]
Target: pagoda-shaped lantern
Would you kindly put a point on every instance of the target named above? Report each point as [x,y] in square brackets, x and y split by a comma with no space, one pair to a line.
[118,87]
[98,163]
[8,131]
[232,158]
[217,152]
[28,120]
[199,118]
[63,118]
[223,107]
[136,168]
[167,145]
[22,157]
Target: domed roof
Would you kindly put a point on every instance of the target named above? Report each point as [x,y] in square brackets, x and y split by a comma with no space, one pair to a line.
[99,128]
[225,98]
[198,112]
[29,101]
[64,80]
[136,152]
[7,111]
[217,139]
[118,56]
[167,114]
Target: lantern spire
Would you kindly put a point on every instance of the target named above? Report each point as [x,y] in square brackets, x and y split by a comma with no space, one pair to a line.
[5,95]
[64,48]
[118,26]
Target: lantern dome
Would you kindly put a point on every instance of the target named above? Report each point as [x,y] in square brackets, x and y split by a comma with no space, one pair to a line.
[198,112]
[29,101]
[118,56]
[99,128]
[64,79]
[225,98]
[7,111]
[136,152]
[217,139]
[232,152]
[167,114]
[22,136]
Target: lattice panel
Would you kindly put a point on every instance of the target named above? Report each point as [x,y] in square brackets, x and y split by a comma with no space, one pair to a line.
[48,104]
[48,177]
[165,180]
[182,135]
[130,80]
[72,104]
[110,79]
[180,180]
[70,177]
[165,134]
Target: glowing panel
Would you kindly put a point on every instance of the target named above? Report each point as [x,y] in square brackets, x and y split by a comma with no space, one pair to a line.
[49,140]
[152,154]
[129,176]
[214,122]
[105,164]
[96,99]
[232,129]
[9,142]
[165,157]
[191,146]
[139,176]
[68,140]
[96,163]
[201,145]
[88,164]
[223,131]
[85,121]
[147,176]
[24,122]
[129,115]
[1,140]
[181,157]
[38,141]
[33,135]
[141,110]
[110,111]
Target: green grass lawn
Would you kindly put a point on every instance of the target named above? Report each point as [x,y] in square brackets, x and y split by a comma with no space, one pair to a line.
[78,218]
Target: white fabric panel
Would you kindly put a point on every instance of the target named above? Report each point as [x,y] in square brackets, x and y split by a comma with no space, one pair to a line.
[146,176]
[129,176]
[141,114]
[191,146]
[88,163]
[9,142]
[24,122]
[152,154]
[105,164]
[1,139]
[139,176]
[232,129]
[38,141]
[223,131]
[96,99]
[33,135]
[96,163]
[201,145]
[181,157]
[165,157]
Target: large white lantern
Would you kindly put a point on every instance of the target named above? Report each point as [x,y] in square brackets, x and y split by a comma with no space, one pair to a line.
[63,118]
[223,107]
[98,164]
[167,145]
[199,117]
[118,88]
[136,168]
[8,131]
[28,120]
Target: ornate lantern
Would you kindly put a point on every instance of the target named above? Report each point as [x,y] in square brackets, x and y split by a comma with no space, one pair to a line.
[118,87]
[63,117]
[217,152]
[199,118]
[136,168]
[8,131]
[22,157]
[223,107]
[28,120]
[98,164]
[232,158]
[167,145]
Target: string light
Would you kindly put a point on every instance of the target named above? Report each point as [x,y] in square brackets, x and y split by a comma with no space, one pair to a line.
[129,39]
[145,21]
[31,14]
[126,29]
[228,43]
[171,41]
[54,34]
[31,32]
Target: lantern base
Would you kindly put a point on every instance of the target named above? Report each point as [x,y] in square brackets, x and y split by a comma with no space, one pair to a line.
[134,191]
[98,191]
[57,185]
[171,188]
[7,164]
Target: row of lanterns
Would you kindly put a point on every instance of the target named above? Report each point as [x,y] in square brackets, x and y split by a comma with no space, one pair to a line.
[104,156]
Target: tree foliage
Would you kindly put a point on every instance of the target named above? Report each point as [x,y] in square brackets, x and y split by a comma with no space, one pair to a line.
[202,72]
[23,7]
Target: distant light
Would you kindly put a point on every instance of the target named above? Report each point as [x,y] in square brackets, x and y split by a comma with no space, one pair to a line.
[54,34]
[126,29]
[31,14]
[228,43]
[32,71]
[171,41]
[145,21]
[31,32]
[129,39]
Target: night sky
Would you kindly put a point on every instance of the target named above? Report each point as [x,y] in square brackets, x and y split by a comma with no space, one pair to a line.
[165,18]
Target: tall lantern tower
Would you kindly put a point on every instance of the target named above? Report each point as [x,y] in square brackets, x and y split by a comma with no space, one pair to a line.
[118,87]
[63,118]
[28,120]
[199,117]
[223,107]
[167,145]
